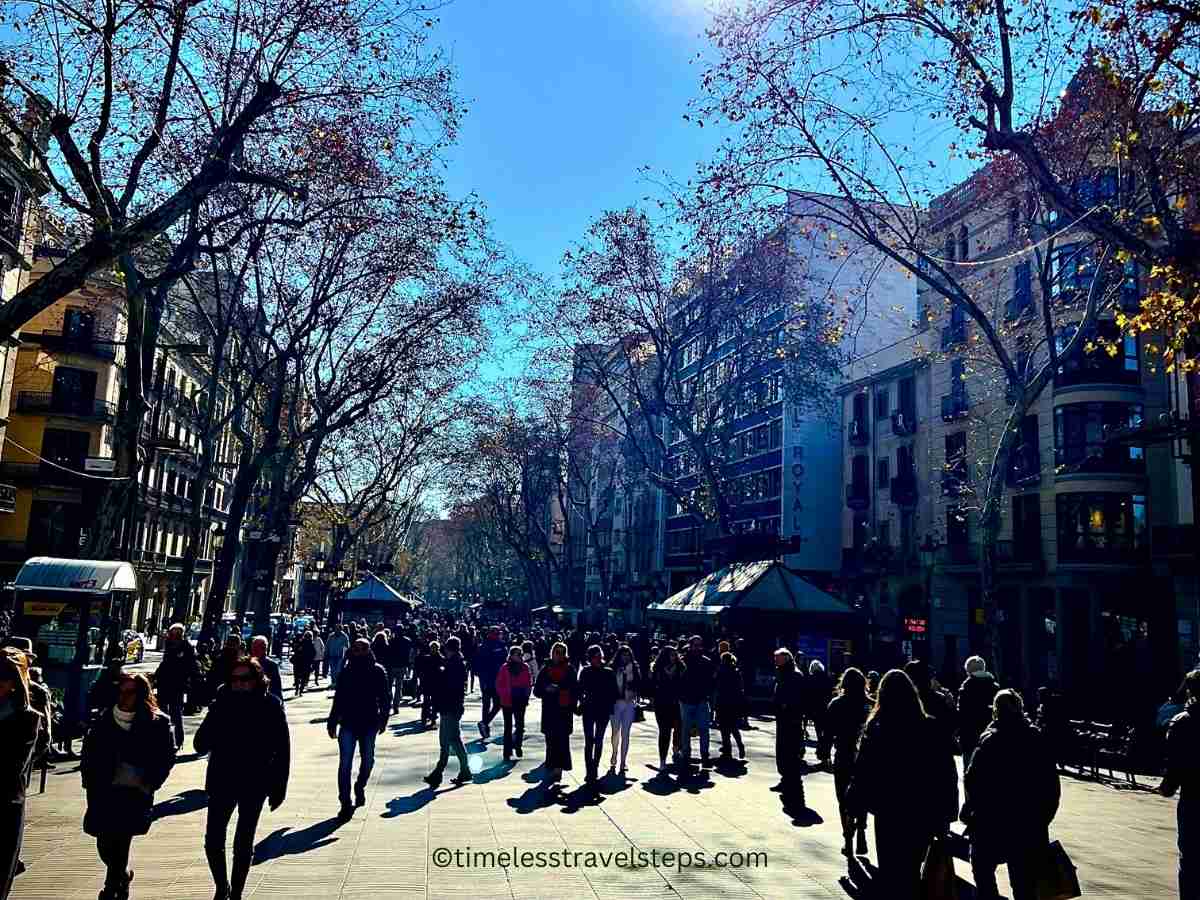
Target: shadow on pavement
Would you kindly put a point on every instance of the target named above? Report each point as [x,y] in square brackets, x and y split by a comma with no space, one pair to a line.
[412,726]
[188,757]
[538,797]
[583,796]
[285,842]
[496,772]
[400,806]
[730,768]
[536,775]
[188,802]
[662,785]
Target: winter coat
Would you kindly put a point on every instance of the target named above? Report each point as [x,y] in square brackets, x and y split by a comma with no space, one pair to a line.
[19,734]
[514,689]
[271,670]
[487,661]
[730,698]
[450,686]
[149,746]
[558,697]
[818,689]
[177,669]
[1012,791]
[906,773]
[249,748]
[844,721]
[975,698]
[401,651]
[362,699]
[597,691]
[1182,769]
[303,657]
[666,687]
[629,682]
[697,679]
[336,647]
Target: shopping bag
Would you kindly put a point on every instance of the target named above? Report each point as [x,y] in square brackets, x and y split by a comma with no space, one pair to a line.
[1057,879]
[937,873]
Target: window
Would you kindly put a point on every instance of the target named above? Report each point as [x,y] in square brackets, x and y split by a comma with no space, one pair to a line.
[958,533]
[79,325]
[884,530]
[1080,432]
[883,474]
[949,249]
[858,475]
[1101,527]
[882,407]
[906,402]
[1014,218]
[1073,267]
[1022,298]
[1027,526]
[964,243]
[1099,366]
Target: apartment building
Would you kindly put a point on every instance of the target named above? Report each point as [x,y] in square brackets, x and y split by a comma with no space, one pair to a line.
[1093,591]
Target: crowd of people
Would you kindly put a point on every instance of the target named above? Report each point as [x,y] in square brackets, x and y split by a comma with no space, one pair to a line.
[865,727]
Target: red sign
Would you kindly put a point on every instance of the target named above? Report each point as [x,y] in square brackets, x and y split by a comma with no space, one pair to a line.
[916,626]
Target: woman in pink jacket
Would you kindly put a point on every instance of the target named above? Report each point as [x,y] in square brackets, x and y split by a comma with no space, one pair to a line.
[514,683]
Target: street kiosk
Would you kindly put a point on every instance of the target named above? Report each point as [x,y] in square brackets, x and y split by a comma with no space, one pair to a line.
[73,610]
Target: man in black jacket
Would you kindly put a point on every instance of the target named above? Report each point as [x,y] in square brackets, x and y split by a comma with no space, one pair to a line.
[789,729]
[173,677]
[598,695]
[696,685]
[1183,774]
[401,658]
[449,684]
[361,704]
[258,649]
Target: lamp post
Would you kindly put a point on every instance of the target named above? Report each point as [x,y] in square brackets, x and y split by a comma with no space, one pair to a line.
[928,552]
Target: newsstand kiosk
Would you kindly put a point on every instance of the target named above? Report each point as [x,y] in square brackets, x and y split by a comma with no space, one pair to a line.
[73,610]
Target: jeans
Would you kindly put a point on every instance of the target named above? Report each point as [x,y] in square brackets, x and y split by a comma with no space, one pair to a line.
[1022,874]
[450,739]
[1189,849]
[622,724]
[514,728]
[593,742]
[335,669]
[900,849]
[396,685]
[347,740]
[491,704]
[668,728]
[173,707]
[12,825]
[220,810]
[114,853]
[698,716]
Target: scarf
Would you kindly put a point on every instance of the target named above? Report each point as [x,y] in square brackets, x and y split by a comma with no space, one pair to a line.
[124,719]
[557,674]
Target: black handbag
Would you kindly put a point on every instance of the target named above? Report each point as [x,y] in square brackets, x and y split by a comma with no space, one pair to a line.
[1057,879]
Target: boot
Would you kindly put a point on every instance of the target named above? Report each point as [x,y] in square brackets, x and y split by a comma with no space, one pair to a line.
[862,842]
[216,866]
[241,871]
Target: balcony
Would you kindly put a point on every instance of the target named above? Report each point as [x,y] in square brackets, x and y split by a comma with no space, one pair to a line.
[956,479]
[150,558]
[953,335]
[1025,466]
[1097,367]
[42,473]
[858,497]
[904,422]
[954,405]
[904,489]
[859,433]
[77,407]
[1174,540]
[86,344]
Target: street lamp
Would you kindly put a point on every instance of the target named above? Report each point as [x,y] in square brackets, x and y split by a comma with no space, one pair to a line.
[928,552]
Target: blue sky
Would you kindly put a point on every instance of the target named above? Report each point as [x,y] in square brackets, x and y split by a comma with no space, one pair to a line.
[567,100]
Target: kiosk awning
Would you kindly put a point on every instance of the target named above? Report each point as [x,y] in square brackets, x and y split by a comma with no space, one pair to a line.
[94,576]
[766,585]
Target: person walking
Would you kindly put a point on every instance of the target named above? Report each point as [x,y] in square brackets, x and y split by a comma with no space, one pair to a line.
[664,679]
[486,664]
[975,697]
[336,649]
[270,668]
[360,707]
[20,730]
[557,688]
[399,660]
[818,690]
[629,686]
[845,719]
[1182,776]
[128,752]
[730,705]
[1011,794]
[938,703]
[514,684]
[231,652]
[788,701]
[318,656]
[429,667]
[597,697]
[901,746]
[245,735]
[449,686]
[696,683]
[174,675]
[531,660]
[303,658]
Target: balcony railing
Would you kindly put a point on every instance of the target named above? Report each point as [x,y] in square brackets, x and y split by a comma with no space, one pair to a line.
[42,473]
[1096,367]
[89,344]
[954,405]
[904,422]
[81,407]
[857,495]
[904,489]
[859,433]
[953,335]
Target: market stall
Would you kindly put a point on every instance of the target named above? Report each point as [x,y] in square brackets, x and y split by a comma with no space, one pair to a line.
[73,610]
[376,601]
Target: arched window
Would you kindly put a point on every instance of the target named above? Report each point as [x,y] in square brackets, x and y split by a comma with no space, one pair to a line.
[964,244]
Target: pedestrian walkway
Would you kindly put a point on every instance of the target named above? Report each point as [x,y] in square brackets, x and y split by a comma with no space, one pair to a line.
[396,846]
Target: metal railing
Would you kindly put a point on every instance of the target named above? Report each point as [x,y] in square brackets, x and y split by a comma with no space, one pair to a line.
[82,407]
